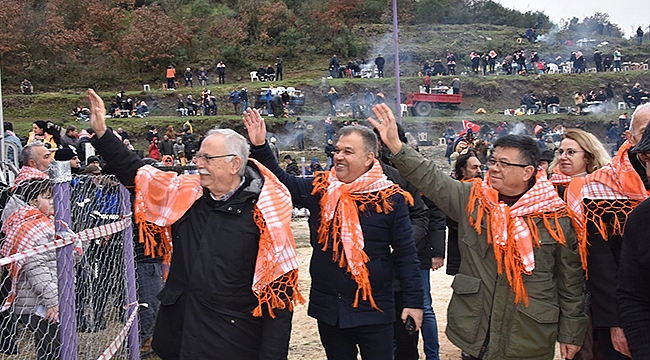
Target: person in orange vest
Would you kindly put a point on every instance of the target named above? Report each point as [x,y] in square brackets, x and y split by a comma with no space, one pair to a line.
[171,77]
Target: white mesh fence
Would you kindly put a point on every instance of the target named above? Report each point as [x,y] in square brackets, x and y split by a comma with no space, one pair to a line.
[64,288]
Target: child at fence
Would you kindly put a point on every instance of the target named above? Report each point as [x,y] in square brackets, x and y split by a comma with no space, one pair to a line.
[27,223]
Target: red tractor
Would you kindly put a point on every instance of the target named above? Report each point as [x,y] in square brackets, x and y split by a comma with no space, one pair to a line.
[422,104]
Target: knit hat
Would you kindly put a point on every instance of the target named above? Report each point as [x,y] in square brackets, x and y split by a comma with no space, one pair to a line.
[64,154]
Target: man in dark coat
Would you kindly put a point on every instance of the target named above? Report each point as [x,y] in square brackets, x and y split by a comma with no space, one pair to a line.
[598,59]
[633,288]
[346,305]
[166,146]
[380,62]
[208,306]
[334,66]
[607,196]
[292,166]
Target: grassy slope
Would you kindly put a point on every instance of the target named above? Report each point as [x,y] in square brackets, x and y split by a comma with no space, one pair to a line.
[417,44]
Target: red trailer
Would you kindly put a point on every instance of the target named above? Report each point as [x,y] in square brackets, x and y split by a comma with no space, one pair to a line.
[422,104]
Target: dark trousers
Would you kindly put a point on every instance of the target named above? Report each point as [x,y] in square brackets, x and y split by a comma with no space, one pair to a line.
[374,341]
[171,83]
[222,78]
[380,71]
[149,277]
[607,348]
[278,74]
[46,337]
[406,346]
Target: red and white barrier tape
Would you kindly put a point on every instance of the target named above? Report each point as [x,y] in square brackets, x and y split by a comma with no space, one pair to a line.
[85,235]
[112,349]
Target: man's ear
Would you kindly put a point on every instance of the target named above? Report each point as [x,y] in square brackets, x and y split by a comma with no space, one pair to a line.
[529,171]
[236,163]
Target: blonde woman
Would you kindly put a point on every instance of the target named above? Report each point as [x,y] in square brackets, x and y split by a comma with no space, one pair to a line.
[580,153]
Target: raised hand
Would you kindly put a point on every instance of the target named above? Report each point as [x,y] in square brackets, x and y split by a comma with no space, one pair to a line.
[97,113]
[386,126]
[255,126]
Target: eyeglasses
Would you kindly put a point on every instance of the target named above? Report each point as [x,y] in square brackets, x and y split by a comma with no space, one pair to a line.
[504,164]
[205,157]
[569,152]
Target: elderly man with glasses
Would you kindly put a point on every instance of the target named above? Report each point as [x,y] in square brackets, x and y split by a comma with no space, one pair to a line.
[519,286]
[232,282]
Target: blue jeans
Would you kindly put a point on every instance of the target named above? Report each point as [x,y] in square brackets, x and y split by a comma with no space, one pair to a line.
[429,324]
[244,105]
[149,277]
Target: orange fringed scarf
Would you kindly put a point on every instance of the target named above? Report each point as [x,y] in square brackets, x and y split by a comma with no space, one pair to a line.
[616,181]
[340,219]
[161,198]
[559,178]
[512,231]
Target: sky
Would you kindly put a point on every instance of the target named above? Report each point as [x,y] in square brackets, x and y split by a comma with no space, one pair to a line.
[628,14]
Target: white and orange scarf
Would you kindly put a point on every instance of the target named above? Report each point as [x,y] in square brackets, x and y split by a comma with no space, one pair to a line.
[512,230]
[161,198]
[28,172]
[22,228]
[340,205]
[615,181]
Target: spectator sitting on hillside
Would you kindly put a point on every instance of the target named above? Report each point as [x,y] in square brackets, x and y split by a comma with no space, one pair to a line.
[142,109]
[261,73]
[270,73]
[26,87]
[552,100]
[180,107]
[579,99]
[629,99]
[291,166]
[190,104]
[314,166]
[438,68]
[202,76]
[530,101]
[188,77]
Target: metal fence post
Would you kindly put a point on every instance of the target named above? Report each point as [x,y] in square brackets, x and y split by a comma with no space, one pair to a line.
[129,262]
[60,175]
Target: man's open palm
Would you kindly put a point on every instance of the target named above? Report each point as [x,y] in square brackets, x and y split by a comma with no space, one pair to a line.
[97,113]
[255,126]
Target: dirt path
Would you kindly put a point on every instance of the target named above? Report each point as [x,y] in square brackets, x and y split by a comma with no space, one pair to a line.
[305,342]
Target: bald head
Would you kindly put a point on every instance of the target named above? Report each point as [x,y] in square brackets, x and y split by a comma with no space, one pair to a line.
[639,121]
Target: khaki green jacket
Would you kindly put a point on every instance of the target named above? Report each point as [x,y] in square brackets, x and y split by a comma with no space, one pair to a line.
[482,306]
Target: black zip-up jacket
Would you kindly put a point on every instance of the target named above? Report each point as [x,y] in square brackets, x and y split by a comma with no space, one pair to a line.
[207,301]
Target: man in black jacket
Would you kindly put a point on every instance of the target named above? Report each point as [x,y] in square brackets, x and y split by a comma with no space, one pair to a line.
[352,232]
[211,306]
[380,62]
[292,166]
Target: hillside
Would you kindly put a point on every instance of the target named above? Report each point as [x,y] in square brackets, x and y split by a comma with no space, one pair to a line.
[417,43]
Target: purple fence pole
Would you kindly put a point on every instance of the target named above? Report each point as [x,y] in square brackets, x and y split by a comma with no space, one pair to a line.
[125,210]
[397,79]
[60,176]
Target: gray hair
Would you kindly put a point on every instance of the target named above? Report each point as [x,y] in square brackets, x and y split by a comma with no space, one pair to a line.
[28,151]
[233,143]
[368,136]
[640,108]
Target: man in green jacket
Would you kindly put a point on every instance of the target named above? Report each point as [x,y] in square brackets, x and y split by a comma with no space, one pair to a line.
[519,286]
